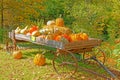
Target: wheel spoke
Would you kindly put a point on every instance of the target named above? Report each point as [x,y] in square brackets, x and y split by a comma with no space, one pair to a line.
[97,53]
[67,64]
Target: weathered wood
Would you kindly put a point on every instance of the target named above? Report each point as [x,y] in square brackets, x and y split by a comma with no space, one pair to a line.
[75,47]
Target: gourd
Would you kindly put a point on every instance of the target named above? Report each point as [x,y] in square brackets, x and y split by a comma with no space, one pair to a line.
[55,30]
[17,54]
[60,22]
[17,30]
[35,33]
[51,23]
[32,29]
[39,60]
[84,36]
[63,38]
[50,36]
[79,37]
[24,31]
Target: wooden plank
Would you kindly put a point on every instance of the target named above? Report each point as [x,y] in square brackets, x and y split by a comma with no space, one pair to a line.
[83,44]
[22,37]
[51,43]
[80,50]
[91,42]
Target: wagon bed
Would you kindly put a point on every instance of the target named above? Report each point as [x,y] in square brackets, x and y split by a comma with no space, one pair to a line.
[83,45]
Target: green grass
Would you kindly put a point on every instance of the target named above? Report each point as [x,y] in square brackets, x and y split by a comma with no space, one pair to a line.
[24,69]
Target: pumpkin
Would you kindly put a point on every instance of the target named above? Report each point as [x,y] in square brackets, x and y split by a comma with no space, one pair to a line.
[32,29]
[17,54]
[84,36]
[39,59]
[63,38]
[59,22]
[51,23]
[54,30]
[75,37]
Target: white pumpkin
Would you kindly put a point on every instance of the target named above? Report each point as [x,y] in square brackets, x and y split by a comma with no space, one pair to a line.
[51,23]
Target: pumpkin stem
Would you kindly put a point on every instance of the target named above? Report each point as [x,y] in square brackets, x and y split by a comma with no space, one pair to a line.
[60,16]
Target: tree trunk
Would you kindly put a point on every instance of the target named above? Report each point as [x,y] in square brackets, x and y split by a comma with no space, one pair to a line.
[1,13]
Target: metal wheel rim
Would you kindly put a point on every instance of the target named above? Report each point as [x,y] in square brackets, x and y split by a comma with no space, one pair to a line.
[75,60]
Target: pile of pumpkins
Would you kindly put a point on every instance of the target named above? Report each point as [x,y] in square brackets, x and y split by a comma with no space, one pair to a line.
[53,30]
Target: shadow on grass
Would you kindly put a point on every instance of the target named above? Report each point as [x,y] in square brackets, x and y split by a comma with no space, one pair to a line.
[30,50]
[24,57]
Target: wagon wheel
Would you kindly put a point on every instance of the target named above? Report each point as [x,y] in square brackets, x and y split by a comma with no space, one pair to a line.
[11,43]
[10,46]
[64,63]
[96,53]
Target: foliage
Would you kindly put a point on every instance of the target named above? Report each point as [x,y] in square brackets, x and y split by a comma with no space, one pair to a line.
[98,18]
[18,12]
[116,53]
[57,8]
[3,35]
[112,53]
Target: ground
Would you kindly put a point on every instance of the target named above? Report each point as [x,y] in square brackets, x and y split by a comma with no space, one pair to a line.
[24,69]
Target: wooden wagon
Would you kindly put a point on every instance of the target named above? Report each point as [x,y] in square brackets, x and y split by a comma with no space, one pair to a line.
[65,60]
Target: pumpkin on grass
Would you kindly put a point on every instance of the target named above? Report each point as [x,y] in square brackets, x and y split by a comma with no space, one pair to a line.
[17,54]
[39,60]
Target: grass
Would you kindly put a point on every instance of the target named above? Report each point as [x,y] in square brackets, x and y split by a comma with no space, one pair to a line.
[24,69]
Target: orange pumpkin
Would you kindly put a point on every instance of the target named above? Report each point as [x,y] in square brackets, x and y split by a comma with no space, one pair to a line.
[39,60]
[84,36]
[75,37]
[60,22]
[17,54]
[60,37]
[57,37]
[33,28]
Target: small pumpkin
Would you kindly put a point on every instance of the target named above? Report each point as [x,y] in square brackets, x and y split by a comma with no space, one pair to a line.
[52,22]
[33,28]
[60,22]
[75,37]
[84,36]
[63,38]
[39,60]
[17,54]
